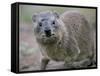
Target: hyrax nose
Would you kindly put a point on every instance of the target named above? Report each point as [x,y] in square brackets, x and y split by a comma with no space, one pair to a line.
[48,32]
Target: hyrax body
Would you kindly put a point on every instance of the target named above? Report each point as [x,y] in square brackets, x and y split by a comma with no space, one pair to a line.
[64,38]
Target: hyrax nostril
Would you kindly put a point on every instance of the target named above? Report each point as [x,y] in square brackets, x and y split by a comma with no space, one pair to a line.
[48,33]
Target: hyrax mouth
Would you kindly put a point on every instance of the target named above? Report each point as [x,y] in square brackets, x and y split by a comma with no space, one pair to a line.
[49,39]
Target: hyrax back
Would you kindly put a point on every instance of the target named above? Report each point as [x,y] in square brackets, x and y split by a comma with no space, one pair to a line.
[79,32]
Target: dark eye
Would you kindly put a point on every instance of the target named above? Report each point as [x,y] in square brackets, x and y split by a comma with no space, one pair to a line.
[40,24]
[53,22]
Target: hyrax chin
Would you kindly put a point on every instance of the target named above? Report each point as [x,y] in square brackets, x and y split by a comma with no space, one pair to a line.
[63,38]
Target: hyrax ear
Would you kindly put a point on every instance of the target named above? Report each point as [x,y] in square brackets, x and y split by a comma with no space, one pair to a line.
[34,18]
[56,14]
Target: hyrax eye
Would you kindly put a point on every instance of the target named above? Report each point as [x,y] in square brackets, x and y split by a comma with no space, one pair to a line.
[40,24]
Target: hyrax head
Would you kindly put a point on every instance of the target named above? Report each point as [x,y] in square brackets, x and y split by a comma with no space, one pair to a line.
[46,27]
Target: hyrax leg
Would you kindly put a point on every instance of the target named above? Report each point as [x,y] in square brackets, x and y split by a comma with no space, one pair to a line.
[44,63]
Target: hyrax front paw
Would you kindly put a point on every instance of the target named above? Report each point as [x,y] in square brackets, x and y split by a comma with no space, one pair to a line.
[44,63]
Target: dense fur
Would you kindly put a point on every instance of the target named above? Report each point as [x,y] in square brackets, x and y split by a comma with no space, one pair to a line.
[69,38]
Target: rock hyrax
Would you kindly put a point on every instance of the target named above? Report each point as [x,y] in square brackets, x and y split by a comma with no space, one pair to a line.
[63,38]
